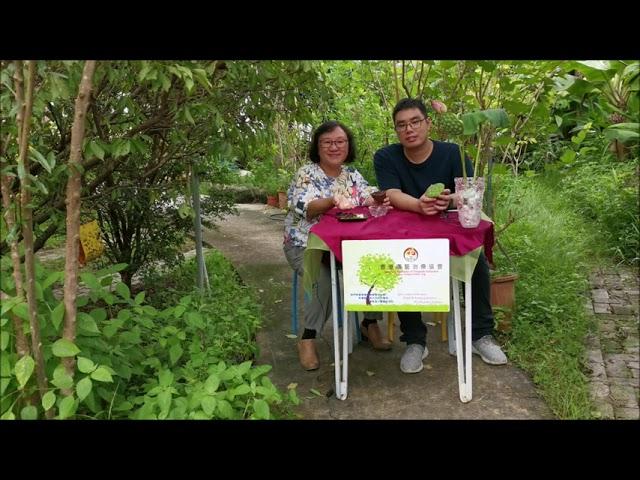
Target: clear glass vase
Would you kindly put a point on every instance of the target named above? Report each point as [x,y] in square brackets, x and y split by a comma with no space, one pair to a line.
[469,200]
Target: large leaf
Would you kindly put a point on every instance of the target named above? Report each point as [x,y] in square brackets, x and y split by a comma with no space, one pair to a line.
[123,290]
[597,64]
[83,388]
[9,304]
[64,348]
[67,407]
[497,117]
[61,378]
[208,404]
[166,378]
[97,150]
[48,400]
[23,369]
[472,120]
[623,132]
[57,315]
[174,353]
[29,413]
[87,323]
[164,402]
[85,365]
[261,409]
[101,374]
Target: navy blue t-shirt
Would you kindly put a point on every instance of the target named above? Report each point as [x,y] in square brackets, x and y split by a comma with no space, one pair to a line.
[394,170]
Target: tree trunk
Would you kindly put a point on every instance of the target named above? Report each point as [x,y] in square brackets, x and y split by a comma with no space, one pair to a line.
[27,231]
[22,345]
[74,185]
[8,199]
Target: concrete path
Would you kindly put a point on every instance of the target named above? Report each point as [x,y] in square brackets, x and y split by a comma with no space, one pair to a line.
[612,351]
[252,241]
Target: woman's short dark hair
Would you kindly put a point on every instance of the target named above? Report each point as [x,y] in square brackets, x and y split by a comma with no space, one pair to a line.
[407,104]
[330,126]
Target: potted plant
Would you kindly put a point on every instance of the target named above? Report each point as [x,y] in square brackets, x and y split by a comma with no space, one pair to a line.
[503,285]
[283,179]
[462,128]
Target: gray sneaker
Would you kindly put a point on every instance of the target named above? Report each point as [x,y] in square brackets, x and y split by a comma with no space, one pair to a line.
[412,357]
[489,350]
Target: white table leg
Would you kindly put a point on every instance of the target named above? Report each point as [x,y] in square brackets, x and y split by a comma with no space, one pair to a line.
[463,355]
[341,380]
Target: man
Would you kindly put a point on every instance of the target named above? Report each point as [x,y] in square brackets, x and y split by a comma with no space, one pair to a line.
[405,170]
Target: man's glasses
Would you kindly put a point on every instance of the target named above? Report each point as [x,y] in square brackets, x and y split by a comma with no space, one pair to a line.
[414,124]
[338,143]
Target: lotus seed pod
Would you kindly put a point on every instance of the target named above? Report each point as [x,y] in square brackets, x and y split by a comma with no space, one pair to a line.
[434,190]
[450,124]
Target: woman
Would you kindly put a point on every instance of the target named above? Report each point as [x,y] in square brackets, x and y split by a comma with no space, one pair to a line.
[317,188]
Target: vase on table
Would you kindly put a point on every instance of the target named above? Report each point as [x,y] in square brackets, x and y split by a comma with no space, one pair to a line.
[469,201]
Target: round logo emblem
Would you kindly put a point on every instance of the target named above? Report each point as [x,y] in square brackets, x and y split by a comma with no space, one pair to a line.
[410,254]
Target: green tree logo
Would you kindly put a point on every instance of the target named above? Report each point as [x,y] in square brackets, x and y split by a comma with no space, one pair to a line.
[377,271]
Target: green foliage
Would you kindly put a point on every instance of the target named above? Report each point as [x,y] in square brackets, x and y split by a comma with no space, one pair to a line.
[189,356]
[606,194]
[550,246]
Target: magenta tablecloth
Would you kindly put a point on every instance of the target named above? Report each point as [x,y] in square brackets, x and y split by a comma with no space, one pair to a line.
[398,224]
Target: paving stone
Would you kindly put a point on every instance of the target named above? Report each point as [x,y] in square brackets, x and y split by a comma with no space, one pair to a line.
[633,364]
[628,320]
[618,296]
[611,347]
[613,282]
[626,413]
[599,390]
[607,326]
[629,382]
[616,367]
[601,308]
[594,356]
[624,396]
[599,295]
[621,309]
[604,410]
[596,280]
[628,331]
[623,357]
[631,343]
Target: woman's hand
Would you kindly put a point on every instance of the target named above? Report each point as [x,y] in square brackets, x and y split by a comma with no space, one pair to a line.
[342,202]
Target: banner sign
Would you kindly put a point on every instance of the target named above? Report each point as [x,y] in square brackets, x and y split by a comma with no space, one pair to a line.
[396,275]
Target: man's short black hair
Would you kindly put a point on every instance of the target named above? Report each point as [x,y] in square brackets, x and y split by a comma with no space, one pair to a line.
[407,104]
[330,126]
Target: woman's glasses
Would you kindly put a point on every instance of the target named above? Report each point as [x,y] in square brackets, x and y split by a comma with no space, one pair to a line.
[326,144]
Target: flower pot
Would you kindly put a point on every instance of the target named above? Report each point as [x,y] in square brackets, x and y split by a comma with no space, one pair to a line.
[503,299]
[282,200]
[272,200]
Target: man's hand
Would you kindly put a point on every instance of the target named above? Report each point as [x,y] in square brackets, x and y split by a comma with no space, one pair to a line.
[431,206]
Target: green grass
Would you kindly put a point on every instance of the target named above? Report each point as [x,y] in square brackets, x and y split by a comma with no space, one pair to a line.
[551,249]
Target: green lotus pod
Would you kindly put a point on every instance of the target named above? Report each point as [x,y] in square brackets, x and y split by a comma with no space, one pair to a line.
[434,190]
[450,124]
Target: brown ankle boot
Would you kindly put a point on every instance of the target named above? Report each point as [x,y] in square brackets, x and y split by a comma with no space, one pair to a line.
[308,354]
[373,334]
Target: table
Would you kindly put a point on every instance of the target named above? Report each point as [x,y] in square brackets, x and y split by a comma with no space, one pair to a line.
[465,245]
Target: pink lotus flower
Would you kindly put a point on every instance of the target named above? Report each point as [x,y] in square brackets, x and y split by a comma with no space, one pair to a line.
[438,106]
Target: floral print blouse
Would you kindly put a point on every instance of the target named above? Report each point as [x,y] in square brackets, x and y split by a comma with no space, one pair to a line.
[311,183]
